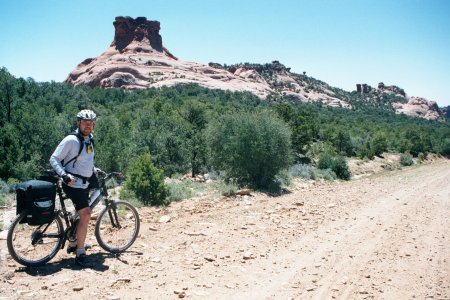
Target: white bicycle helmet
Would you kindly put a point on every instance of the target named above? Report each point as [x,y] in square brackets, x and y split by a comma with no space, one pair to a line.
[86,114]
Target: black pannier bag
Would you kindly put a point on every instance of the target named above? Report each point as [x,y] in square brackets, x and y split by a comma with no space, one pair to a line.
[38,198]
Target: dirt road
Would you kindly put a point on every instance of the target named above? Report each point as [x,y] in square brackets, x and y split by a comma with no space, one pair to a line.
[384,237]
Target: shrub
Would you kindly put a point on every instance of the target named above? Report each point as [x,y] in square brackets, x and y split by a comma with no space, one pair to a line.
[147,181]
[325,162]
[227,188]
[4,189]
[406,159]
[303,171]
[446,148]
[250,147]
[326,174]
[179,191]
[184,189]
[340,167]
[336,164]
[421,157]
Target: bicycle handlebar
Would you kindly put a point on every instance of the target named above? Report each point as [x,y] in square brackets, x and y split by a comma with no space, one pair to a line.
[117,175]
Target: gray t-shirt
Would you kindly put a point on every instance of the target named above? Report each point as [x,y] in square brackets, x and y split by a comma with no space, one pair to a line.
[83,165]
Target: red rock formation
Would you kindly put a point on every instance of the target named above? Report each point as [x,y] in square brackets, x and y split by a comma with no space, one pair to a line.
[129,29]
[418,107]
[363,88]
[137,59]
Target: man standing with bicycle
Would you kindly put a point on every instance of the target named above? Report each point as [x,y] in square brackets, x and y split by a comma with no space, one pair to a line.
[73,161]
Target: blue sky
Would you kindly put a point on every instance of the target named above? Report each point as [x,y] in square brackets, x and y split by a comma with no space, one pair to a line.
[342,42]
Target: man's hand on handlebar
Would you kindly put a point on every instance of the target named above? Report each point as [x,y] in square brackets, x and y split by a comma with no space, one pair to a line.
[68,179]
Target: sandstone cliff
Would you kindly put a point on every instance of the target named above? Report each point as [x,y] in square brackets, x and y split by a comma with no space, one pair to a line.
[137,59]
[395,97]
[418,107]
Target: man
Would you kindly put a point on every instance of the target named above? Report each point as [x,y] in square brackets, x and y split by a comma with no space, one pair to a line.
[76,168]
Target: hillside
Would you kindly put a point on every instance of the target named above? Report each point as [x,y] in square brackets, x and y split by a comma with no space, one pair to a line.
[137,59]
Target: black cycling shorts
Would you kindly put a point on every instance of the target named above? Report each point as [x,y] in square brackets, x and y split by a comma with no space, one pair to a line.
[79,197]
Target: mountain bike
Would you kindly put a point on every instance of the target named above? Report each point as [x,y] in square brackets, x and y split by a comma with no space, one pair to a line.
[116,227]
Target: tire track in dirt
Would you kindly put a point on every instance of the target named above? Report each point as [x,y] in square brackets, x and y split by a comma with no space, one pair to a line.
[382,250]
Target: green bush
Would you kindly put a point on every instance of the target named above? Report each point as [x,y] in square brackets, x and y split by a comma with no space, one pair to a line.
[446,148]
[179,191]
[406,159]
[326,174]
[325,162]
[184,189]
[147,181]
[227,188]
[340,168]
[251,147]
[336,164]
[4,189]
[303,171]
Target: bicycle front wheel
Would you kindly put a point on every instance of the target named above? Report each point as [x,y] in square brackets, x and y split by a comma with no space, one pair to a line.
[34,245]
[117,226]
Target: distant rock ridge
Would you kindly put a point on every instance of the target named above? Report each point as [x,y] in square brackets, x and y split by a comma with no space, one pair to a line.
[137,59]
[418,107]
[411,106]
[364,88]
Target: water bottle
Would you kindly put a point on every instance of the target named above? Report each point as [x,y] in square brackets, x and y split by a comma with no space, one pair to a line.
[96,196]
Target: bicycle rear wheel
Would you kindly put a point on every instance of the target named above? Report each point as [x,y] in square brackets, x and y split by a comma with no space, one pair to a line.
[34,245]
[117,226]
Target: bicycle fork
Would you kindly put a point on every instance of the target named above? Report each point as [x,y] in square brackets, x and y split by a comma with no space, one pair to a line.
[113,215]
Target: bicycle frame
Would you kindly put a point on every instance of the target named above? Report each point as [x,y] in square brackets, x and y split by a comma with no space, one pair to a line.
[69,221]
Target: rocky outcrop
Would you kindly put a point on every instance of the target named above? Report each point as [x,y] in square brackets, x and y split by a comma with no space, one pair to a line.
[446,112]
[363,88]
[391,89]
[128,30]
[138,59]
[395,97]
[418,107]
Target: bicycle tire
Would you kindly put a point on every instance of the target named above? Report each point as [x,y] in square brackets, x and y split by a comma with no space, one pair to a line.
[48,239]
[113,238]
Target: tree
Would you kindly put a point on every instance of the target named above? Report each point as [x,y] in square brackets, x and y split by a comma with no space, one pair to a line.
[194,113]
[114,144]
[378,144]
[342,142]
[251,147]
[302,128]
[10,151]
[7,94]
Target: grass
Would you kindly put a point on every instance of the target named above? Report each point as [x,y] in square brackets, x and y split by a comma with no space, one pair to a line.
[3,200]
